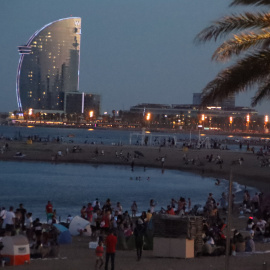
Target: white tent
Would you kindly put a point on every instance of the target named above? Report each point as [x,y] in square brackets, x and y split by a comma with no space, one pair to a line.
[78,226]
[16,250]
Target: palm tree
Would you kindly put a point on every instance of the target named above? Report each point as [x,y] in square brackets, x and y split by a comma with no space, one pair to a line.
[250,44]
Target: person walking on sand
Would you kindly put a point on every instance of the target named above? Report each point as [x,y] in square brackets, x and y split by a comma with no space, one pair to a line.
[99,255]
[111,242]
[139,232]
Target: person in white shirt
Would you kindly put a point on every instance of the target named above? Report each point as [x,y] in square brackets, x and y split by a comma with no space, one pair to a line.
[3,217]
[260,225]
[10,221]
[96,204]
[119,208]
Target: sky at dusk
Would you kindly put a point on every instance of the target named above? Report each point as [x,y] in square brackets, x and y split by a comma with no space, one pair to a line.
[132,51]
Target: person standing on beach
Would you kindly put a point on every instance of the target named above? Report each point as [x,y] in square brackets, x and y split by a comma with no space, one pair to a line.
[3,217]
[99,255]
[10,221]
[22,212]
[189,204]
[152,206]
[83,212]
[89,212]
[139,232]
[134,209]
[49,210]
[111,242]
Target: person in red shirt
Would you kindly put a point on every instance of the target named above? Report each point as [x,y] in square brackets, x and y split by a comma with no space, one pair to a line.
[89,212]
[111,242]
[99,255]
[49,211]
[170,210]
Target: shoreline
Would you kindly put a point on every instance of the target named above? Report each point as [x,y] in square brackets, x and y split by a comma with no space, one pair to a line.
[248,173]
[77,255]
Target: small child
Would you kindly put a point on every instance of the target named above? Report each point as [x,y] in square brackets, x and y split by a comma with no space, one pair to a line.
[99,255]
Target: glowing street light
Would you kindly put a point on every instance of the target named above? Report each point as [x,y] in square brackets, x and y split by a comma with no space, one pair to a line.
[203,117]
[91,114]
[266,119]
[148,116]
[248,118]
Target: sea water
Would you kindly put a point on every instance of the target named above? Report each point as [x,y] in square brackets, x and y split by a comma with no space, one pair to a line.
[115,137]
[70,186]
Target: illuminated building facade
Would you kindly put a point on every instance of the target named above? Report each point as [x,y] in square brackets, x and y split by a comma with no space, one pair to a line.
[82,103]
[49,66]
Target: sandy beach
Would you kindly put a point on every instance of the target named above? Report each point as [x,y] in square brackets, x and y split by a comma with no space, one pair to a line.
[78,255]
[249,173]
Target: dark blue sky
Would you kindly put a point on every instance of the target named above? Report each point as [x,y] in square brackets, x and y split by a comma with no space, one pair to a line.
[132,51]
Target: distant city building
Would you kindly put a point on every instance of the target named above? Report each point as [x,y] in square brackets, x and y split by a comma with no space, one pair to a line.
[82,103]
[190,114]
[197,98]
[228,102]
[49,66]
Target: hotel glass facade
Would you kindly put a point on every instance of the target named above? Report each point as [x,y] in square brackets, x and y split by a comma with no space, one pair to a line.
[49,66]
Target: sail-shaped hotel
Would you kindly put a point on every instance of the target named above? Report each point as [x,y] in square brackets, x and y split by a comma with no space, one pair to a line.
[49,66]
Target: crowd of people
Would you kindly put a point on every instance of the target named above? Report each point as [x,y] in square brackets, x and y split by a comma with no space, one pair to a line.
[132,231]
[42,237]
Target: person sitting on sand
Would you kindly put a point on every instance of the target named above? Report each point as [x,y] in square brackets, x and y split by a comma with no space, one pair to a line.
[45,247]
[250,245]
[260,226]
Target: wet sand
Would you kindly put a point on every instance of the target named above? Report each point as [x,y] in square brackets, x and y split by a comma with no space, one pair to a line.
[78,256]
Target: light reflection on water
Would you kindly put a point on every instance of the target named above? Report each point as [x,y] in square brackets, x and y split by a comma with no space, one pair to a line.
[70,186]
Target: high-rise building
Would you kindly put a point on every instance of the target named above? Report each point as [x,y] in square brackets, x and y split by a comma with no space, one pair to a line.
[49,66]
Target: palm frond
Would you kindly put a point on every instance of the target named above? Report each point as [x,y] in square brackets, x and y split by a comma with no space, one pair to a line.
[234,22]
[262,93]
[250,2]
[241,43]
[246,72]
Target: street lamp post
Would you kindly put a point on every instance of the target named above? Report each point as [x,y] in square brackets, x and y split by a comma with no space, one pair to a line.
[266,119]
[248,120]
[91,115]
[231,121]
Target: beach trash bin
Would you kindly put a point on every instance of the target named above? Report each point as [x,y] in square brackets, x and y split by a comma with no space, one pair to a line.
[16,250]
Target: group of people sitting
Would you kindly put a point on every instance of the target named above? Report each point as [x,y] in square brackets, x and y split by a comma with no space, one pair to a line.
[42,237]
